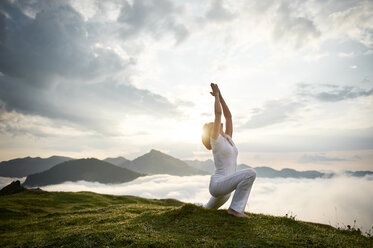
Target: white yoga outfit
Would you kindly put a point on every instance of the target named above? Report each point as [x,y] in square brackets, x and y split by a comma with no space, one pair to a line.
[226,178]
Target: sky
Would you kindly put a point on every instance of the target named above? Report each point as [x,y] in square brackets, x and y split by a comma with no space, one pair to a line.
[119,78]
[337,201]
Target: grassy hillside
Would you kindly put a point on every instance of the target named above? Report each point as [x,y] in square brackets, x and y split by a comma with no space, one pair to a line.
[84,219]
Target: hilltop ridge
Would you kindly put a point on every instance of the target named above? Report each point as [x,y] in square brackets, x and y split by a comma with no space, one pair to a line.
[86,219]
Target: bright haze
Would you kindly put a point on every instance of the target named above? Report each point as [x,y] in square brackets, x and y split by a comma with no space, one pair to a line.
[118,78]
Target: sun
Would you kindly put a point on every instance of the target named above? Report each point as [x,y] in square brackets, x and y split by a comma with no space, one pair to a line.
[188,131]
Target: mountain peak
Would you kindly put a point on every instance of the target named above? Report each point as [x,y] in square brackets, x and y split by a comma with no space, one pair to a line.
[157,162]
[155,154]
[155,151]
[159,154]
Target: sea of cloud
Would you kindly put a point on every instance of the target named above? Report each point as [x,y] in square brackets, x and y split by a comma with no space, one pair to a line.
[337,201]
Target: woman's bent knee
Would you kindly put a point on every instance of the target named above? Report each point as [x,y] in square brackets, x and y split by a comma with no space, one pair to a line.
[250,173]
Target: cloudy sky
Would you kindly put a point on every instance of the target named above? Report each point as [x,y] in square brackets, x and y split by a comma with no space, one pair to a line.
[110,78]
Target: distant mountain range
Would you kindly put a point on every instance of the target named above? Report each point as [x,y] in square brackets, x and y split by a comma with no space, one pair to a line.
[91,170]
[156,162]
[208,166]
[358,173]
[111,170]
[58,169]
[271,173]
[22,167]
[116,161]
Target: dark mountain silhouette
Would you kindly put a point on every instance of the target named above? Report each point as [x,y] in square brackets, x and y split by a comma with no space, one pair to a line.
[156,162]
[269,172]
[208,166]
[22,167]
[359,173]
[116,161]
[91,169]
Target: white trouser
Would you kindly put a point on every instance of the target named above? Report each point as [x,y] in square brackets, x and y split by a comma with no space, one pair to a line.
[221,187]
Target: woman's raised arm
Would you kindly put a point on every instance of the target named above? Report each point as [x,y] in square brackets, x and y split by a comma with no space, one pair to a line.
[216,127]
[227,115]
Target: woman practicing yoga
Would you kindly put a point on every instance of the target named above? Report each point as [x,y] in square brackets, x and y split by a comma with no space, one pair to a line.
[226,178]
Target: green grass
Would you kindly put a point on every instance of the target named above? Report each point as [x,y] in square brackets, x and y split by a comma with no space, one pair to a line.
[86,219]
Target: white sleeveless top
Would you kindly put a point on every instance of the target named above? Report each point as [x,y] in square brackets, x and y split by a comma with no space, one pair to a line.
[225,155]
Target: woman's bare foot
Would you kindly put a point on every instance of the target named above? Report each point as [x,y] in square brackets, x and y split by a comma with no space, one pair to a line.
[237,214]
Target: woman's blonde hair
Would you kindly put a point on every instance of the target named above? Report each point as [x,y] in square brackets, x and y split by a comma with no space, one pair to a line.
[206,134]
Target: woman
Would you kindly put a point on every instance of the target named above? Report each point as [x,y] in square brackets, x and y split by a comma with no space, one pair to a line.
[226,178]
